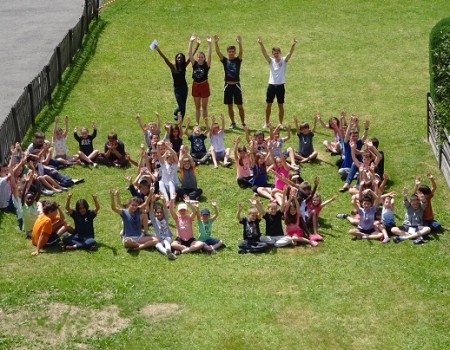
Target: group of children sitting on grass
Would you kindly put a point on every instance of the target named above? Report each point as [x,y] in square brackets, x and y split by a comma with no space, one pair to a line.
[167,174]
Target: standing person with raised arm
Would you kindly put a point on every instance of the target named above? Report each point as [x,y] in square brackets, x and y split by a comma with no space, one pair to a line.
[277,78]
[232,92]
[180,88]
[200,85]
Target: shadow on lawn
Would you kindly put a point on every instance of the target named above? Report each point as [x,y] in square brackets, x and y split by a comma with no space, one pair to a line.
[70,78]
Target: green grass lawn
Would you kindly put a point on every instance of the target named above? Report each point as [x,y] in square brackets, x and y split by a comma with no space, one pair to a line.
[365,57]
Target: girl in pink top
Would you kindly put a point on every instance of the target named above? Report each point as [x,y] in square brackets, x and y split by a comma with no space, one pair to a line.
[185,241]
[313,208]
[279,167]
[244,165]
[292,219]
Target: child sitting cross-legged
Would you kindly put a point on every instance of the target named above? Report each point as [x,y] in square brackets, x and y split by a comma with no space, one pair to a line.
[412,227]
[205,221]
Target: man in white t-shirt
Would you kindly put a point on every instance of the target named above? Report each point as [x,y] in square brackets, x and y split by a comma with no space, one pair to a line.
[277,78]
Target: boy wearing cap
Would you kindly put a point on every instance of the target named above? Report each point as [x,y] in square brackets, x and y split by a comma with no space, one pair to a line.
[205,222]
[185,241]
[412,227]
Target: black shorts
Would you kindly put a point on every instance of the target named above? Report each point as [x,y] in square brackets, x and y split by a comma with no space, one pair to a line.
[187,243]
[275,90]
[232,93]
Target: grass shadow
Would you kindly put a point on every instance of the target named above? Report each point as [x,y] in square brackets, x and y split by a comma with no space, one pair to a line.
[70,78]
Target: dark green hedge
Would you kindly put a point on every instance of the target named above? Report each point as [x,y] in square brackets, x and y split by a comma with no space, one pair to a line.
[440,72]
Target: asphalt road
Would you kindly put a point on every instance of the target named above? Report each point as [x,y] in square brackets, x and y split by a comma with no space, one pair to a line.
[29,32]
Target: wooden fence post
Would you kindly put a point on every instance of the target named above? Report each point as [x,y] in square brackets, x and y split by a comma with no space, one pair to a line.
[30,93]
[58,60]
[49,85]
[16,126]
[70,45]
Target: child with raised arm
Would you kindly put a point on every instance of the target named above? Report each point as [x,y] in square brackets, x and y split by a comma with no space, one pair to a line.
[198,147]
[188,177]
[159,216]
[83,235]
[412,227]
[333,124]
[371,157]
[200,85]
[86,152]
[30,205]
[251,233]
[280,169]
[388,214]
[427,193]
[169,172]
[367,228]
[217,149]
[149,129]
[259,143]
[260,185]
[305,152]
[174,134]
[293,220]
[59,142]
[313,209]
[347,169]
[244,164]
[277,78]
[274,226]
[205,221]
[185,241]
[277,143]
[134,219]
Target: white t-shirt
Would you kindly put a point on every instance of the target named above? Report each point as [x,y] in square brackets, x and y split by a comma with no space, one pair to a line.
[217,142]
[277,71]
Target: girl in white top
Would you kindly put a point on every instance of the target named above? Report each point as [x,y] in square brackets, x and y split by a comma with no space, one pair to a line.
[59,141]
[168,171]
[217,149]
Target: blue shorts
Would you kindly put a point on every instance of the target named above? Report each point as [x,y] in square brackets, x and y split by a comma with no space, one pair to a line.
[211,241]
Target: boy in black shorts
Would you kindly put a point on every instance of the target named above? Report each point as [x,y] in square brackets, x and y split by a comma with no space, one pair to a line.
[232,88]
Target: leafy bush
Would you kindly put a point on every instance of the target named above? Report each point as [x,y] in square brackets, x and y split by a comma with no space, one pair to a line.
[440,73]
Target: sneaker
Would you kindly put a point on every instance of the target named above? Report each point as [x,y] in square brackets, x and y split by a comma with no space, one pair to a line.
[342,216]
[171,256]
[244,125]
[419,240]
[94,165]
[232,126]
[316,237]
[385,240]
[177,252]
[206,162]
[46,192]
[242,251]
[314,244]
[78,181]
[213,251]
[396,239]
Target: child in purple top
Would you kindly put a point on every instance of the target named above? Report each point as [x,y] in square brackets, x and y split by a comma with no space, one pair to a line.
[367,227]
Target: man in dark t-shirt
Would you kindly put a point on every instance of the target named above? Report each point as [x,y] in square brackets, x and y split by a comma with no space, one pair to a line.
[232,88]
